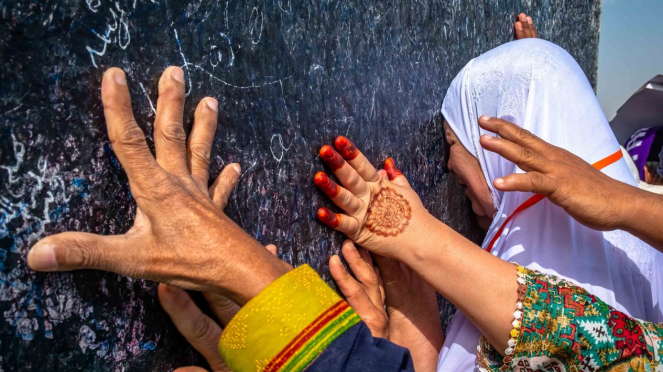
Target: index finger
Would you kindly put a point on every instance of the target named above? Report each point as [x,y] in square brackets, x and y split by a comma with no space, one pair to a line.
[356,159]
[127,138]
[515,134]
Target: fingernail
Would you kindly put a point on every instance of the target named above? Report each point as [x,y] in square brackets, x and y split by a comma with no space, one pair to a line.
[336,259]
[499,181]
[120,78]
[484,117]
[212,104]
[177,74]
[486,137]
[42,258]
[237,168]
[529,20]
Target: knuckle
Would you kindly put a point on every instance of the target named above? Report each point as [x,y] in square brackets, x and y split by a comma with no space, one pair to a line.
[202,329]
[200,154]
[527,155]
[129,134]
[173,132]
[82,254]
[536,178]
[353,180]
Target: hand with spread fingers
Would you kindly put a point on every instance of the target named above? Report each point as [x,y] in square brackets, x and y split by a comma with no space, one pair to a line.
[380,212]
[179,236]
[587,194]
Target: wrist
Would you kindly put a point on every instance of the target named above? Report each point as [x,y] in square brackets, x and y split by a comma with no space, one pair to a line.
[244,267]
[430,234]
[627,200]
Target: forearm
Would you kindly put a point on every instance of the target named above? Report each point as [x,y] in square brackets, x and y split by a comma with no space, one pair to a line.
[467,276]
[642,215]
[422,335]
[253,267]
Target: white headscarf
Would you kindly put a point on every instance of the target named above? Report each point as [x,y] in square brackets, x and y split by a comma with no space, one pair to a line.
[540,87]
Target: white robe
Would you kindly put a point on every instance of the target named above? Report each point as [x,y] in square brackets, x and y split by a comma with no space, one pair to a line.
[539,86]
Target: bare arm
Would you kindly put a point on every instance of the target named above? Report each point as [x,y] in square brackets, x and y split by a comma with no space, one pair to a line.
[591,197]
[386,216]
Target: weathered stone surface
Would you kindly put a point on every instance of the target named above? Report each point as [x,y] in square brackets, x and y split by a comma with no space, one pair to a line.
[289,76]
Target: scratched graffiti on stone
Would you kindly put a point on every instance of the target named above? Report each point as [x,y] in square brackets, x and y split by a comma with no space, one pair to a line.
[289,77]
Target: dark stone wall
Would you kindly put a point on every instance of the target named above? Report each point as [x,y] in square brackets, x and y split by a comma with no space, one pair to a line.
[289,76]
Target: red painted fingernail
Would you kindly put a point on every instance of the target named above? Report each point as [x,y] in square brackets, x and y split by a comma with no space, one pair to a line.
[324,183]
[347,149]
[329,218]
[391,169]
[331,157]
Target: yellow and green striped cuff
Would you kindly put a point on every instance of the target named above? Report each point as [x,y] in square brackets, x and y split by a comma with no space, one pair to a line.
[287,325]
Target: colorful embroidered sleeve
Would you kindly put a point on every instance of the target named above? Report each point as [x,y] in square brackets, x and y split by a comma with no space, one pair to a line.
[564,328]
[287,325]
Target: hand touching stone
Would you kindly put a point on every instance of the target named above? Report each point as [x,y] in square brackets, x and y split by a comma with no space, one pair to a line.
[179,236]
[380,211]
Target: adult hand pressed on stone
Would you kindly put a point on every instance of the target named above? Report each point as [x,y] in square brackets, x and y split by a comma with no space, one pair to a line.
[179,236]
[380,212]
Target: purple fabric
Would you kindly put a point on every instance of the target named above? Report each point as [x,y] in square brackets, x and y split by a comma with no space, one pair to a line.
[639,146]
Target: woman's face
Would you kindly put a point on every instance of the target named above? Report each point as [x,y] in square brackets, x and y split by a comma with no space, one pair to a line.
[470,176]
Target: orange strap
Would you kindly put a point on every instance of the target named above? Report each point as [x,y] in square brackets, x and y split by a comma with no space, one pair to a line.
[537,198]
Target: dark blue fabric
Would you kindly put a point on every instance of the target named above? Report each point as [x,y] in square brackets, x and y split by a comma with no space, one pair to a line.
[357,350]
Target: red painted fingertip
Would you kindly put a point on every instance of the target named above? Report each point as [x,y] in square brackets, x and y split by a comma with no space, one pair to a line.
[332,158]
[392,171]
[324,183]
[347,149]
[329,218]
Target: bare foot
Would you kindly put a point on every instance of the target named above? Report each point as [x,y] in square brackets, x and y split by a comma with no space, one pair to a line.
[525,27]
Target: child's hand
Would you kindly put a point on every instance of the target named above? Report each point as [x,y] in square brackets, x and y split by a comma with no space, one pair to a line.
[382,210]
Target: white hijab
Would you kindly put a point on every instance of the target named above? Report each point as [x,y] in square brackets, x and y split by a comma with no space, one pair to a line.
[540,87]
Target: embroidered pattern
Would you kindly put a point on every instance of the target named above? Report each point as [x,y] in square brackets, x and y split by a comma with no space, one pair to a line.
[567,329]
[287,325]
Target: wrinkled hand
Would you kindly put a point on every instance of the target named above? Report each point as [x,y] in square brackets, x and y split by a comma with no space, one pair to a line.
[179,236]
[588,195]
[365,294]
[393,301]
[202,332]
[414,319]
[382,213]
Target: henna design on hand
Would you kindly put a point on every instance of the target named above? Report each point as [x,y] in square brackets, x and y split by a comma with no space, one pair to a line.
[389,213]
[392,171]
[329,218]
[332,158]
[347,149]
[324,183]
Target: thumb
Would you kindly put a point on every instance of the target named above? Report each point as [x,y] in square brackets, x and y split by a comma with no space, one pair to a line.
[395,175]
[76,250]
